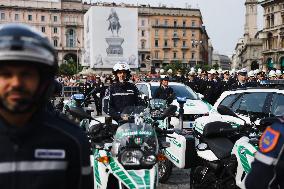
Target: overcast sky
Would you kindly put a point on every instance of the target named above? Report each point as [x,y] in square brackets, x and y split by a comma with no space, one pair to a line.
[224,19]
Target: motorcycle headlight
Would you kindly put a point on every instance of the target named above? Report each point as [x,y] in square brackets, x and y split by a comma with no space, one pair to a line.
[149,160]
[131,157]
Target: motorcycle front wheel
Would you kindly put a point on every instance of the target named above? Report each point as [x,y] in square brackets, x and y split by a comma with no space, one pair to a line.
[165,169]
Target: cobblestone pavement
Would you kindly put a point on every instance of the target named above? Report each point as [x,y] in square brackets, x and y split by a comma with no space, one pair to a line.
[179,179]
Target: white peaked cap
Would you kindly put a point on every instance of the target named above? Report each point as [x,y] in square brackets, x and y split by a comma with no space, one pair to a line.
[212,71]
[278,72]
[272,73]
[251,73]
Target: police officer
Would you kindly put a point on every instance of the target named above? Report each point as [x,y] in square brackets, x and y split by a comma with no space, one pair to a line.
[267,171]
[226,82]
[99,91]
[121,93]
[192,81]
[38,149]
[165,91]
[212,88]
[241,80]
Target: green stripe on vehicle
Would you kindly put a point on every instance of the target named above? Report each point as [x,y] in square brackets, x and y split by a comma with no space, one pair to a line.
[135,177]
[96,168]
[147,179]
[242,151]
[121,174]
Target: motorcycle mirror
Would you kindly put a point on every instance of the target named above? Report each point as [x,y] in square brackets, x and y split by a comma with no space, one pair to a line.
[80,113]
[181,100]
[170,111]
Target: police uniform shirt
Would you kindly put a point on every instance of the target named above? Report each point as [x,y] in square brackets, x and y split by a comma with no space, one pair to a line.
[268,159]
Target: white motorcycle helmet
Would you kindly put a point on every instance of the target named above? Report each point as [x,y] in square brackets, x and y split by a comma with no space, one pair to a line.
[120,66]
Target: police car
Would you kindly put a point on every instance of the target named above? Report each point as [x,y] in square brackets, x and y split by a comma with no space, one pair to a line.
[193,108]
[251,104]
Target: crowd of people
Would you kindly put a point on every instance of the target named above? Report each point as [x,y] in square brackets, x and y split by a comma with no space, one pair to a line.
[211,84]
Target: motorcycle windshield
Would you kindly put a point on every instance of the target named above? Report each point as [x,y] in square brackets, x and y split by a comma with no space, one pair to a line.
[139,136]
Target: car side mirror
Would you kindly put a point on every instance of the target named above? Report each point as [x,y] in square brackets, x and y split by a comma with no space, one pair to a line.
[223,110]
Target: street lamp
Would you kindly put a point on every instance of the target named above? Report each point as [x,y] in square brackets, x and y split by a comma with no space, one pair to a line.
[195,44]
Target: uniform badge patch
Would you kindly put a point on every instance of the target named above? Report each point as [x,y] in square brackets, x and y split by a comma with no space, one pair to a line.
[268,140]
[50,153]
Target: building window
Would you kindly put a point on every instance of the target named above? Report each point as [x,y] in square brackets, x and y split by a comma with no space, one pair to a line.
[156,33]
[166,33]
[166,55]
[175,43]
[42,18]
[183,33]
[156,43]
[175,33]
[156,54]
[16,16]
[55,18]
[54,30]
[143,44]
[70,38]
[193,23]
[30,17]
[193,34]
[184,23]
[175,23]
[166,22]
[2,16]
[192,56]
[142,22]
[184,43]
[166,43]
[143,33]
[43,29]
[55,43]
[175,55]
[157,22]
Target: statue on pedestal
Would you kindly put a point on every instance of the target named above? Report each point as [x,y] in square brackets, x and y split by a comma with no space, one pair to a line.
[113,22]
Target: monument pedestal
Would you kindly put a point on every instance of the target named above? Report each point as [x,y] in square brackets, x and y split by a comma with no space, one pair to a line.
[114,46]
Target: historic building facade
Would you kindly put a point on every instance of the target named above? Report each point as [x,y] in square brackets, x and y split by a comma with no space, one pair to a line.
[175,35]
[249,48]
[61,21]
[165,35]
[273,34]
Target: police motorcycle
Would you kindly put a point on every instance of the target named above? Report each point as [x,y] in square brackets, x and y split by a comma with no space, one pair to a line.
[78,100]
[125,155]
[225,150]
[179,153]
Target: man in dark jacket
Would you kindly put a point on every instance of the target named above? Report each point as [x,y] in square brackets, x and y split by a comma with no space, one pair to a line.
[38,149]
[165,91]
[121,93]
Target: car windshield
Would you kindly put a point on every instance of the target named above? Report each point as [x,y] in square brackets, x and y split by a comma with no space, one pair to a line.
[180,91]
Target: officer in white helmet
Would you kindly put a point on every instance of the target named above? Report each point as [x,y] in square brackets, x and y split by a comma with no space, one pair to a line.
[121,93]
[278,74]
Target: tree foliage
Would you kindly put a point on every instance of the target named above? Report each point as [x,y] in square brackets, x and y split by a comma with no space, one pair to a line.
[69,68]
